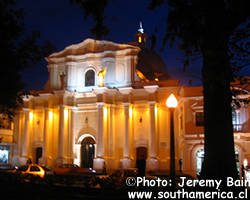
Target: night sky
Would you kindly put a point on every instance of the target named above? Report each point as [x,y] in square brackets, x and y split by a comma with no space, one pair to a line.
[63,24]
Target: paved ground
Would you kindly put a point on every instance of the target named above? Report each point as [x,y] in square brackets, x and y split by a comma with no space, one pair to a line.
[15,187]
[36,192]
[73,188]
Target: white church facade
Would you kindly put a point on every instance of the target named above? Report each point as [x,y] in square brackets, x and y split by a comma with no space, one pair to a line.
[101,108]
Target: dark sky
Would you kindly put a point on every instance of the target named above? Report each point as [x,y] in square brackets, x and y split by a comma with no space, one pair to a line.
[63,24]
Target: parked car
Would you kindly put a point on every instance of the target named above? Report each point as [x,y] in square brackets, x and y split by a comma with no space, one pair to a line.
[31,169]
[116,179]
[72,169]
[48,171]
[6,167]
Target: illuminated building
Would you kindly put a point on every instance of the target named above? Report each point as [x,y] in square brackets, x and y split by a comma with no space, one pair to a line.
[118,119]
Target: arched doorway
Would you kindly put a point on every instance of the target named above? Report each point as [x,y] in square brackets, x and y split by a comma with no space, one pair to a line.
[87,152]
[141,156]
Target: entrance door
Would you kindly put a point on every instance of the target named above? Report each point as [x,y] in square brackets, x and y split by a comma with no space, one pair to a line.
[87,152]
[39,152]
[141,156]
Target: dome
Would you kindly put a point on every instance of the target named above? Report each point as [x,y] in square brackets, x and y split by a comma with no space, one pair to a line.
[151,64]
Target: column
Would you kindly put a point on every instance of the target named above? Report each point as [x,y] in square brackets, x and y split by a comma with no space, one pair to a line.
[45,137]
[99,161]
[17,139]
[60,154]
[25,140]
[126,130]
[126,161]
[71,137]
[111,136]
[126,92]
[152,162]
[54,77]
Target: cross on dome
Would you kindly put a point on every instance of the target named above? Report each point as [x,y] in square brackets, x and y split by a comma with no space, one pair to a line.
[140,30]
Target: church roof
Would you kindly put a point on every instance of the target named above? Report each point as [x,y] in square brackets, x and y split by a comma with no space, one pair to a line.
[91,46]
[151,64]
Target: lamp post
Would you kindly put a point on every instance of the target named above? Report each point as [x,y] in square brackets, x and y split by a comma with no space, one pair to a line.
[172,104]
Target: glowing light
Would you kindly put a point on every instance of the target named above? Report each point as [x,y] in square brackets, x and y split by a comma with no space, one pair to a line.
[156,79]
[66,113]
[139,39]
[141,76]
[50,115]
[105,112]
[130,111]
[156,110]
[245,163]
[41,173]
[31,116]
[171,101]
[101,75]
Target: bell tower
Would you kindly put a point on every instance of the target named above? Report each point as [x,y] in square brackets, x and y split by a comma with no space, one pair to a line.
[140,36]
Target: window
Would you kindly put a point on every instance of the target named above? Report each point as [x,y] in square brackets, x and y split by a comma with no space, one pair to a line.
[34,169]
[4,155]
[5,123]
[234,115]
[237,159]
[90,78]
[235,119]
[23,168]
[199,118]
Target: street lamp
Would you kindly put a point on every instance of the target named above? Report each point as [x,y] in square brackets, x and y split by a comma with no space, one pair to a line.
[172,104]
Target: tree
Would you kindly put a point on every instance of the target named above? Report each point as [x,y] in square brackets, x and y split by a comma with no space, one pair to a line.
[95,9]
[207,28]
[218,31]
[18,51]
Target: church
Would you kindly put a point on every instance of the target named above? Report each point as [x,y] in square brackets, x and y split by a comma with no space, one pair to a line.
[104,106]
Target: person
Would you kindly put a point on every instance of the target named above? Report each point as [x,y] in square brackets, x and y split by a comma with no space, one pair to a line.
[242,172]
[141,166]
[180,164]
[29,161]
[104,168]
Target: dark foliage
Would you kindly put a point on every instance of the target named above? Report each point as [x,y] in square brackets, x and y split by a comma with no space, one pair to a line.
[95,9]
[218,31]
[18,51]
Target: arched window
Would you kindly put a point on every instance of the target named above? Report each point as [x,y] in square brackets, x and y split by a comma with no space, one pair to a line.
[90,78]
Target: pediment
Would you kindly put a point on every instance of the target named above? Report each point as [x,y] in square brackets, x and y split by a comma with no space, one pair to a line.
[92,47]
